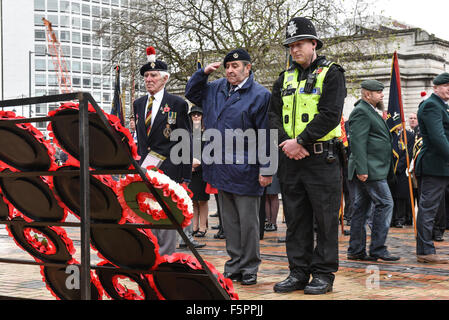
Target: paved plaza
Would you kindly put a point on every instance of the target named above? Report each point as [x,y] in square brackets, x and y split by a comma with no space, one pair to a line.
[402,280]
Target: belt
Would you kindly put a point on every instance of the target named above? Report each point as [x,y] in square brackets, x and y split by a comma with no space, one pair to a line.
[319,147]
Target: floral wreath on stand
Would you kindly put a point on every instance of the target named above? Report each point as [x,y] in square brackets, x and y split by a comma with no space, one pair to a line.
[141,206]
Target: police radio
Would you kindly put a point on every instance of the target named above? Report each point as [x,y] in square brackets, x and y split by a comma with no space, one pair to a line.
[310,83]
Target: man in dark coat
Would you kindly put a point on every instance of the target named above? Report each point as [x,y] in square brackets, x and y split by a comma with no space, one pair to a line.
[370,164]
[233,106]
[432,166]
[157,114]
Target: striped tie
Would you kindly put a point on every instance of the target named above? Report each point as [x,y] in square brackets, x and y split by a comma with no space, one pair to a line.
[148,116]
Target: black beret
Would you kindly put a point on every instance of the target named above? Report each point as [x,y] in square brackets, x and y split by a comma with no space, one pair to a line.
[237,54]
[157,65]
[441,79]
[372,85]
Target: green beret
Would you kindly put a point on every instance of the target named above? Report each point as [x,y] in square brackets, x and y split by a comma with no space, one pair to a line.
[441,79]
[372,85]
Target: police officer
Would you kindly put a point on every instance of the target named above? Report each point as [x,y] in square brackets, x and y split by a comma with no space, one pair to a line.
[306,108]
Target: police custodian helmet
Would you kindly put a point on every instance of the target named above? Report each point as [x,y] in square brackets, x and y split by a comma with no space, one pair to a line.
[299,29]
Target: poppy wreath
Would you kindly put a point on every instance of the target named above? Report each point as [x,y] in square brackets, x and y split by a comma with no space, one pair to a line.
[64,137]
[182,262]
[140,204]
[28,149]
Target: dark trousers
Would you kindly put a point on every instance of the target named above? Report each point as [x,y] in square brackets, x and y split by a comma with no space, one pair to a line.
[432,190]
[399,211]
[311,191]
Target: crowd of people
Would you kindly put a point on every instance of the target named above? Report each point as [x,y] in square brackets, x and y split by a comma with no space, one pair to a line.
[314,167]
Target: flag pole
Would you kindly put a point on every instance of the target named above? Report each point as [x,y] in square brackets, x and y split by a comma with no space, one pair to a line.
[410,185]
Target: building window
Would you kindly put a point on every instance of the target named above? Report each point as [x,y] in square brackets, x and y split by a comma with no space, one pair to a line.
[96,68]
[115,2]
[38,20]
[96,82]
[86,53]
[64,21]
[87,67]
[52,79]
[86,9]
[76,66]
[86,82]
[96,11]
[52,5]
[75,8]
[40,50]
[64,36]
[86,24]
[65,51]
[39,35]
[76,52]
[124,3]
[76,81]
[96,54]
[105,1]
[64,6]
[40,64]
[39,5]
[40,80]
[76,37]
[86,38]
[54,20]
[105,12]
[106,97]
[76,23]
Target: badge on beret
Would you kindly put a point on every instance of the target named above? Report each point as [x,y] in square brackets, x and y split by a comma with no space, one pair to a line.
[235,55]
[153,65]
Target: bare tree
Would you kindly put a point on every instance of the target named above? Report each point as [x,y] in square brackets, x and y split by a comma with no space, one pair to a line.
[184,30]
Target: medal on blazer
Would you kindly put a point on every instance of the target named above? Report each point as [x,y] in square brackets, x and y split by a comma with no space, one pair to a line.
[171,119]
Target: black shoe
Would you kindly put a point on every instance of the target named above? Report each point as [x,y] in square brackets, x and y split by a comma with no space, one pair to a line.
[361,257]
[281,240]
[346,232]
[398,225]
[195,244]
[201,234]
[318,286]
[214,215]
[216,227]
[290,284]
[438,238]
[386,257]
[219,235]
[270,227]
[233,276]
[249,279]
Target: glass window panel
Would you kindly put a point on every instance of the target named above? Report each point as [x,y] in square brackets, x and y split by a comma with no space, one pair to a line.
[64,36]
[64,21]
[38,20]
[86,9]
[86,24]
[86,53]
[96,54]
[76,52]
[76,37]
[86,82]
[75,8]
[96,68]
[40,79]
[39,4]
[76,23]
[39,34]
[96,11]
[87,67]
[64,6]
[40,64]
[76,81]
[86,38]
[76,66]
[40,50]
[52,5]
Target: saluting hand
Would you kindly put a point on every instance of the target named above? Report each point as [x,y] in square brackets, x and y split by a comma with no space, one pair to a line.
[293,150]
[212,67]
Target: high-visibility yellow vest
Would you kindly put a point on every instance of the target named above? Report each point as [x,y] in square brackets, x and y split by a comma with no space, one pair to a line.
[299,108]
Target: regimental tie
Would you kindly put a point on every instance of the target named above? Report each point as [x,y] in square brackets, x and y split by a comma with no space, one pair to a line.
[148,116]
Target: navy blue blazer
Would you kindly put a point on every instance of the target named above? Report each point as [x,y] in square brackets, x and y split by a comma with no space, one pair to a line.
[157,141]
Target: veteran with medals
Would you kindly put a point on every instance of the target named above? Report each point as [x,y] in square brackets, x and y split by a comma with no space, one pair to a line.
[157,114]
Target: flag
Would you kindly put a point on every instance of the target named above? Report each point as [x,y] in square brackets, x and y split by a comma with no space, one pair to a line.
[395,113]
[198,62]
[117,106]
[343,136]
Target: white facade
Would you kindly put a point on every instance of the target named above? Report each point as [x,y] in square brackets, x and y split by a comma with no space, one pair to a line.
[75,23]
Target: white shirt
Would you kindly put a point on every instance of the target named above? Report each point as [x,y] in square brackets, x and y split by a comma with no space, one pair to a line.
[240,85]
[156,104]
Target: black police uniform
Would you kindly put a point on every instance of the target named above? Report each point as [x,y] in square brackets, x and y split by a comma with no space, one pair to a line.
[311,187]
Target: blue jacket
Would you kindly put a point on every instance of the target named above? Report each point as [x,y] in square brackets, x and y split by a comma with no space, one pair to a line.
[245,109]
